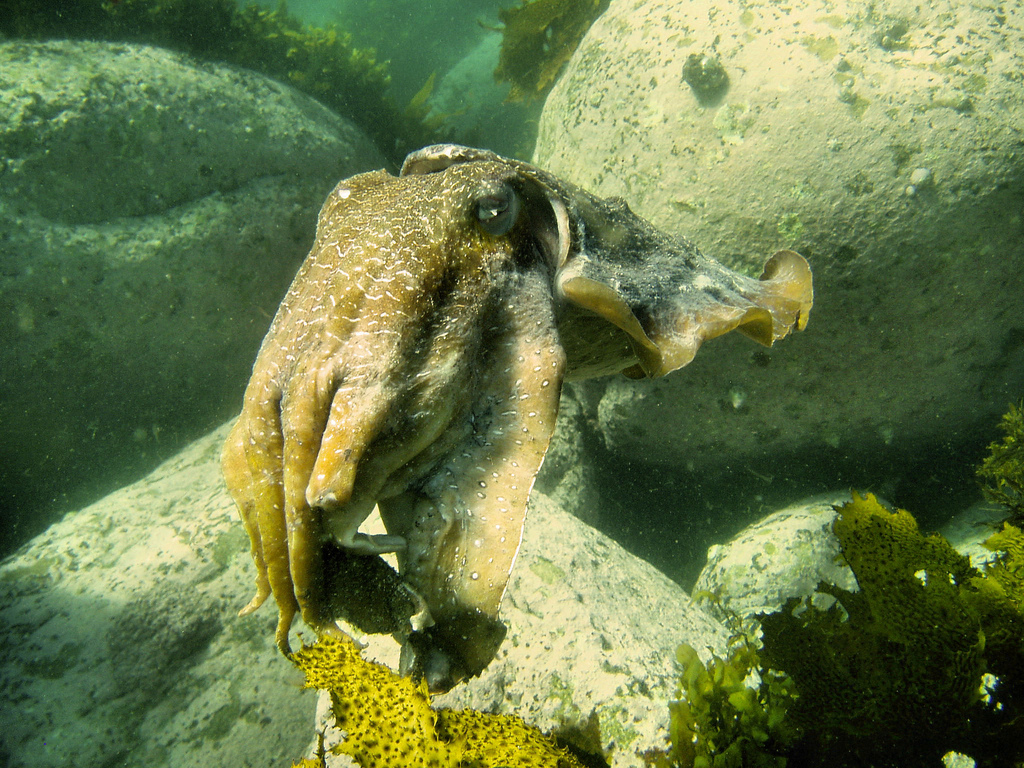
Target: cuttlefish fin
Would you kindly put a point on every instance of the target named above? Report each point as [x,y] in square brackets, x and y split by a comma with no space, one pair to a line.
[464,524]
[666,331]
[785,289]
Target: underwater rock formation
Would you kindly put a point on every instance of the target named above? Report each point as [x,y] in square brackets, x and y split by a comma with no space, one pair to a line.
[881,142]
[120,640]
[152,212]
[781,556]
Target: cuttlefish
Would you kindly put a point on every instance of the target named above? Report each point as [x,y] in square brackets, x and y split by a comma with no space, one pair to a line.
[415,365]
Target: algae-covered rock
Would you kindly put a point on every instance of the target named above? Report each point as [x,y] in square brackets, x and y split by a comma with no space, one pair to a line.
[119,639]
[883,143]
[921,657]
[152,213]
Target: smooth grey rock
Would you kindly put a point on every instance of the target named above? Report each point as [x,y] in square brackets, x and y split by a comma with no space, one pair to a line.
[153,211]
[915,343]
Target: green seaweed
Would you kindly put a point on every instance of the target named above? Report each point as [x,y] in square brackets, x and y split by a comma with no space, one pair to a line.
[926,658]
[538,38]
[320,61]
[704,73]
[888,674]
[1002,472]
[718,720]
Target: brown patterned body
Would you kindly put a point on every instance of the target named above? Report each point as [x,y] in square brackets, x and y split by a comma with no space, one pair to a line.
[416,364]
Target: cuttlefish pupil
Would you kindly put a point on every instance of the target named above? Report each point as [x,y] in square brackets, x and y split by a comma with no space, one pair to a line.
[498,211]
[415,365]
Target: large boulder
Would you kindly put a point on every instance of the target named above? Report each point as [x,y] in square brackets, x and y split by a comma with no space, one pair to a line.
[884,143]
[152,213]
[119,639]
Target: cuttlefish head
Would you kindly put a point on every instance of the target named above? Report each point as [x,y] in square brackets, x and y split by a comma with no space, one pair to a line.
[631,298]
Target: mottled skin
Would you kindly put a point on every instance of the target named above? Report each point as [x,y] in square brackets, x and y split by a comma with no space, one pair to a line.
[416,364]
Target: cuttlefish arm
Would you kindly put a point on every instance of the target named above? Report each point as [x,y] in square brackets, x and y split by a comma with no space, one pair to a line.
[463,525]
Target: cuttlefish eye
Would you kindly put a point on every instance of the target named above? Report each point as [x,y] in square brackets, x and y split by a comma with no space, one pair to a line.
[497,210]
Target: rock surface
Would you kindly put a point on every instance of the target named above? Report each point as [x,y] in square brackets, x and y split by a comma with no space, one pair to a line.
[784,555]
[590,654]
[119,640]
[884,143]
[788,552]
[152,213]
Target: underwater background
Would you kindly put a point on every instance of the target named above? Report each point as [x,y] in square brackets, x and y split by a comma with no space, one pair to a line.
[162,163]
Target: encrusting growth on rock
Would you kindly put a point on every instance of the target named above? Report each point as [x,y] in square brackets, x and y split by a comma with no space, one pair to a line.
[388,720]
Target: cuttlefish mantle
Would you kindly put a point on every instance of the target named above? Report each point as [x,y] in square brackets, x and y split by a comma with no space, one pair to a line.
[416,365]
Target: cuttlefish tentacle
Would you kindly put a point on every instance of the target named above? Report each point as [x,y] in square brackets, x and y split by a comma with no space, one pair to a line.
[243,490]
[253,463]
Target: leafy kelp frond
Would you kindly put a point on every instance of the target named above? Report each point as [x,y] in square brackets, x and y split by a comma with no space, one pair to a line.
[539,37]
[1002,472]
[731,712]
